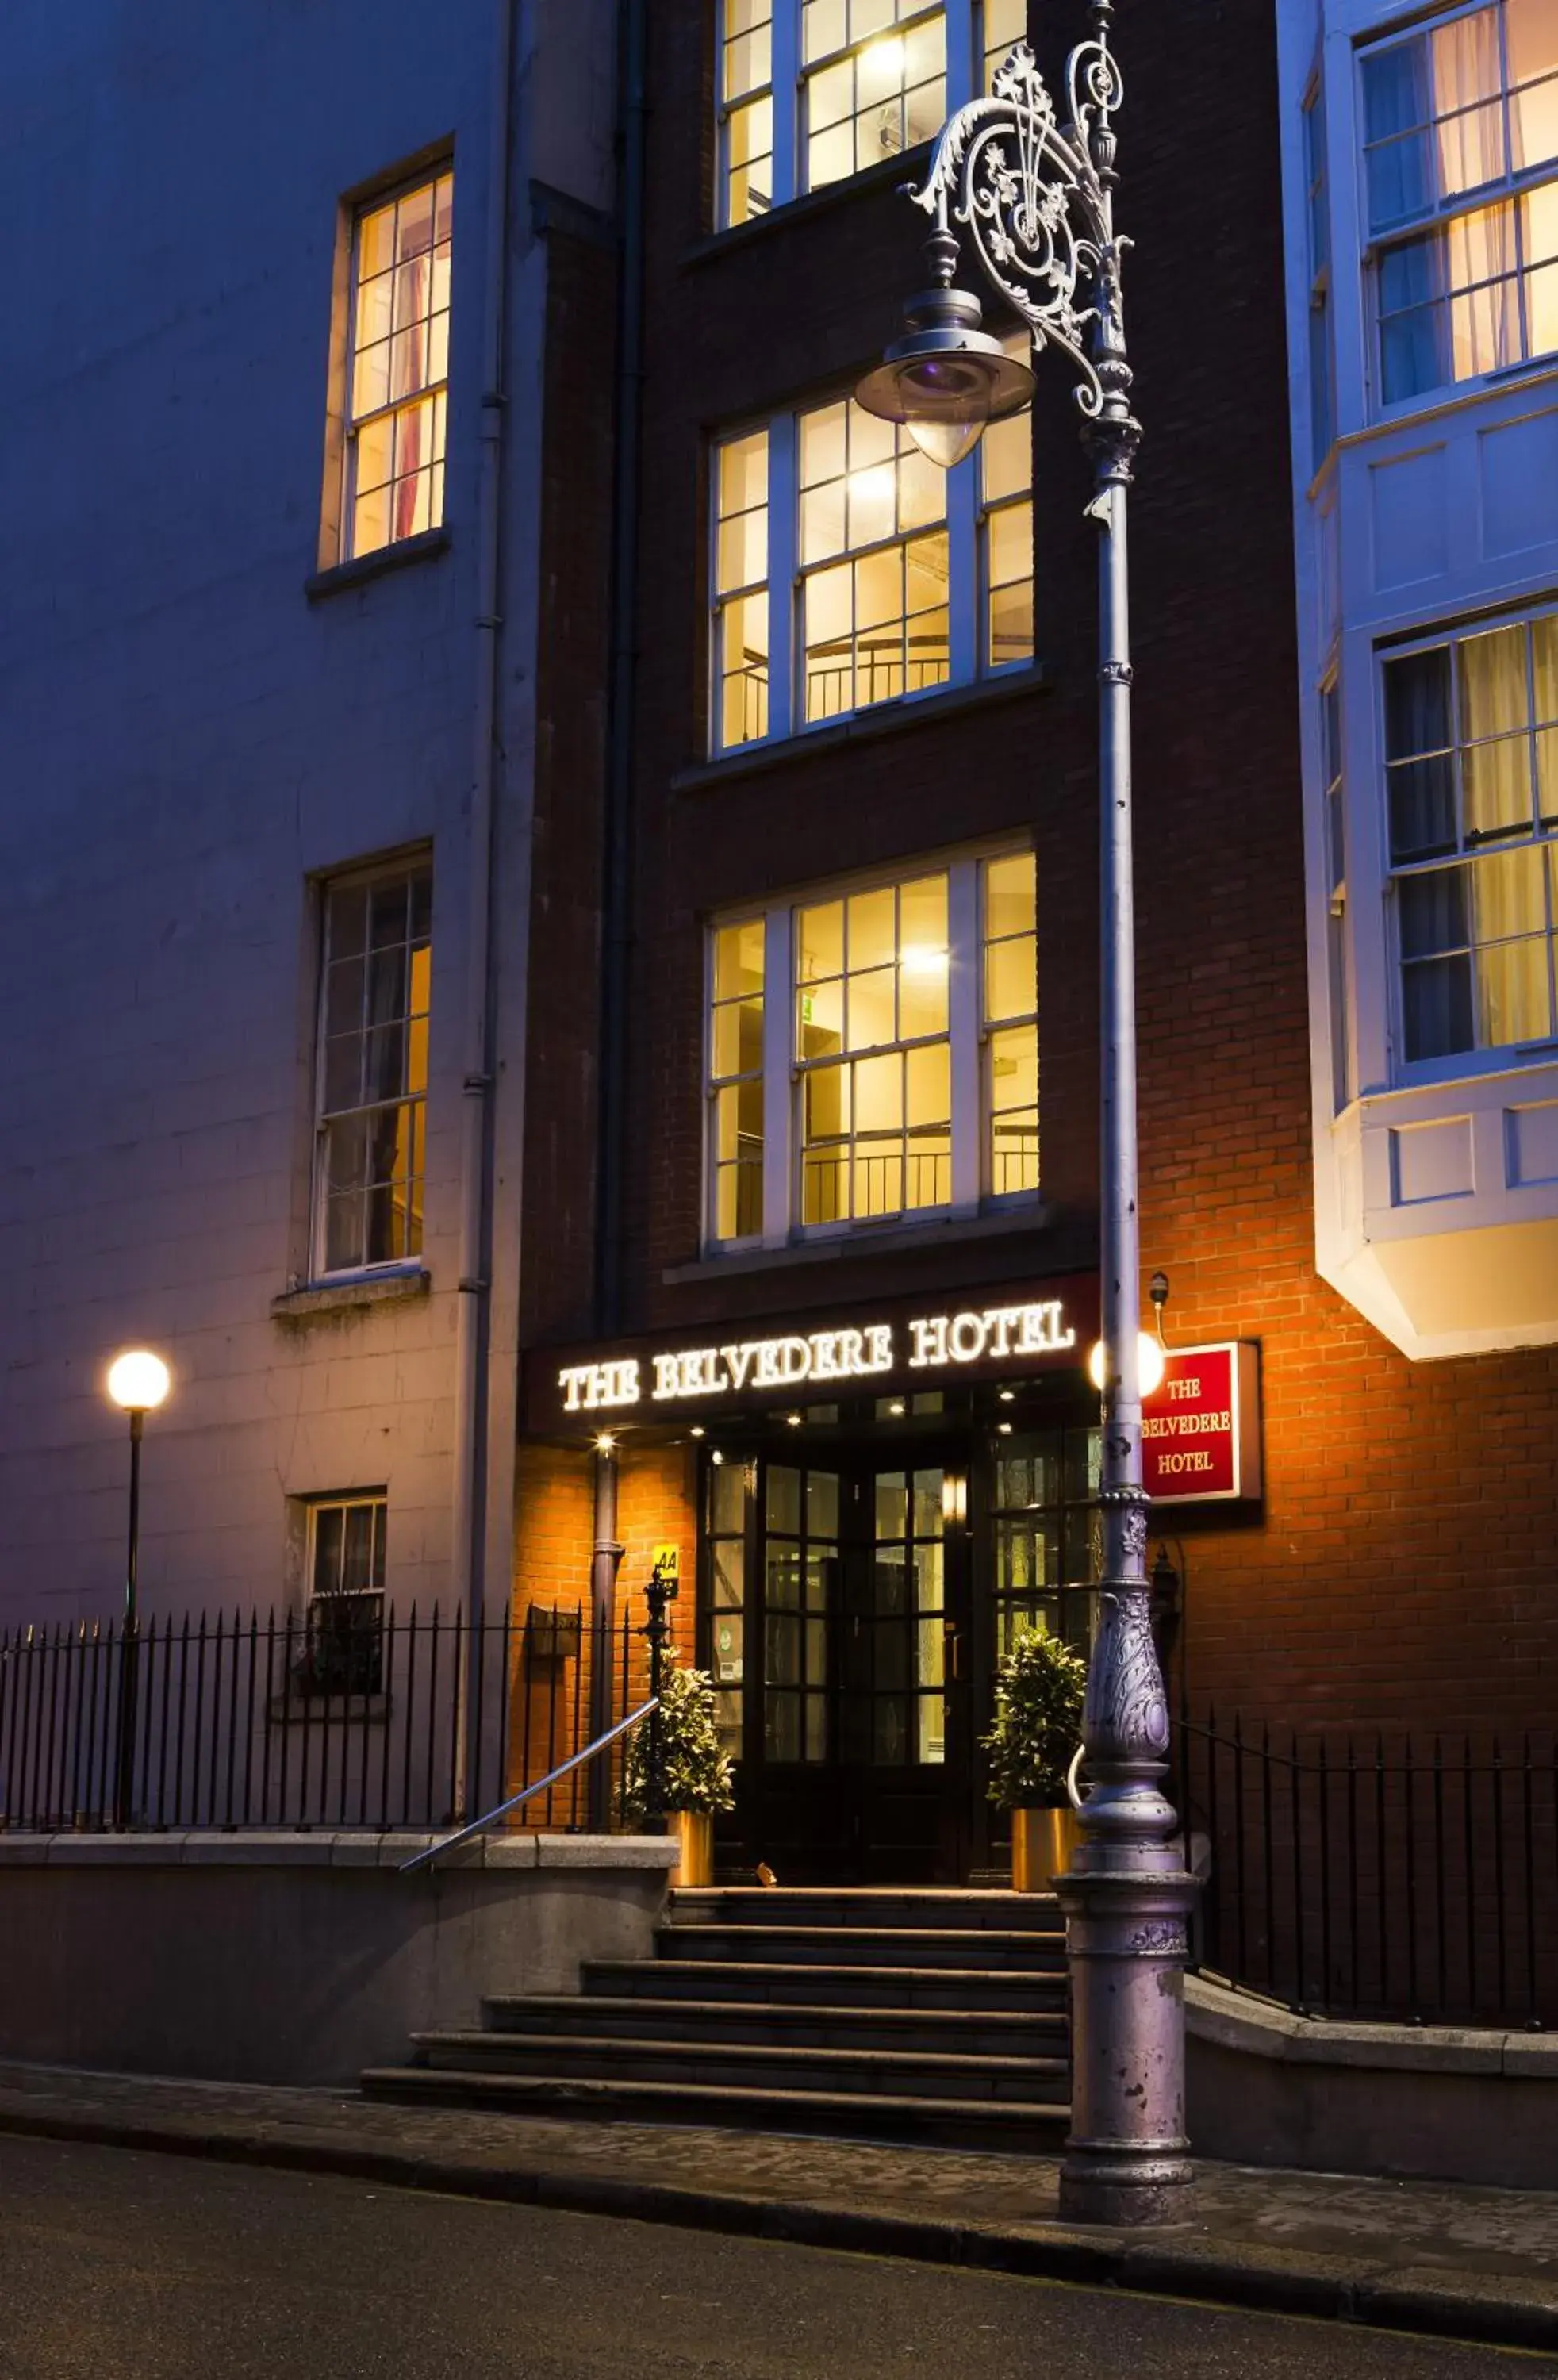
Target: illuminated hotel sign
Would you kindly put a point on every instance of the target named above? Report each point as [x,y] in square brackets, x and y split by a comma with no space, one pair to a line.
[1200,1427]
[969,1338]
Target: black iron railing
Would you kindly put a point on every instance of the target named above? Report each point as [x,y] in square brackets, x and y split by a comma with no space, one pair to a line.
[339,1717]
[1391,1876]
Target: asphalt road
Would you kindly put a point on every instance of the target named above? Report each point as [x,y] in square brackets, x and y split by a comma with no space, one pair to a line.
[123,2266]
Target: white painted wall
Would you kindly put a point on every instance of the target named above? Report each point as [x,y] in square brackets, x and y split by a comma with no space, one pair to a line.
[184,739]
[1422,516]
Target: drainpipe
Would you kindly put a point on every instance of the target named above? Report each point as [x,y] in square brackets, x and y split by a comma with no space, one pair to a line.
[471,1310]
[633,19]
[603,1636]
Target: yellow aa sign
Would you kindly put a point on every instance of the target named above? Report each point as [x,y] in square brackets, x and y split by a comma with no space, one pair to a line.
[667,1563]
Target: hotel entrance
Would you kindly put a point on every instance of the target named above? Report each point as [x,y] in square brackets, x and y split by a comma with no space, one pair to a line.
[874,1506]
[854,1597]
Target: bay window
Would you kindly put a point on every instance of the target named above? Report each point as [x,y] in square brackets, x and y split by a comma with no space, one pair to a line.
[849,569]
[812,92]
[873,1052]
[1460,121]
[1471,783]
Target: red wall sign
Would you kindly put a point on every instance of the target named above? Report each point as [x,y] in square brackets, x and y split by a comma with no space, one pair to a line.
[1200,1428]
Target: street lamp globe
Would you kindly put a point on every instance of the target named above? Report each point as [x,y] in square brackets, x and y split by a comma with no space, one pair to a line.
[137,1381]
[945,378]
[1149,1361]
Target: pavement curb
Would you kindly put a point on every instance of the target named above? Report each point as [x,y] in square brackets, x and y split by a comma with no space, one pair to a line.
[1285,2281]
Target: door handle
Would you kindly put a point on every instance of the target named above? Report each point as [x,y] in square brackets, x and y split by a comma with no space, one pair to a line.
[953,1637]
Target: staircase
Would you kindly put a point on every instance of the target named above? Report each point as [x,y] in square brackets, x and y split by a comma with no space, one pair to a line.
[885,2014]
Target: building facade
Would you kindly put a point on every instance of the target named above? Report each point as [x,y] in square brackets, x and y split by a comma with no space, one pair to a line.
[298,638]
[839,1334]
[700,1169]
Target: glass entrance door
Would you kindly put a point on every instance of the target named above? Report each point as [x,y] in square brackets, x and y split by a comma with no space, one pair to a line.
[852,1578]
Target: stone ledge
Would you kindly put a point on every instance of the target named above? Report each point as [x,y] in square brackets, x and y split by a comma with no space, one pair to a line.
[341,1296]
[354,1848]
[1258,2028]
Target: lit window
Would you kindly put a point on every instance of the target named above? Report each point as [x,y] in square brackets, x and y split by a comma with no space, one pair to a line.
[812,92]
[1464,109]
[1472,776]
[1003,23]
[873,82]
[343,1643]
[1011,1024]
[875,1059]
[741,590]
[841,1030]
[372,1070]
[735,1078]
[874,563]
[398,368]
[849,569]
[1005,469]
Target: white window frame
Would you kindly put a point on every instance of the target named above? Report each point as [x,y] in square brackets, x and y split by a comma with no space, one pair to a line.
[345,880]
[351,423]
[1503,1057]
[965,74]
[1437,217]
[375,1500]
[967,519]
[783,1076]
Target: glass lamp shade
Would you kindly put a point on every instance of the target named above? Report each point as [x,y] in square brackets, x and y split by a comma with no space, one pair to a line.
[137,1381]
[945,389]
[1150,1362]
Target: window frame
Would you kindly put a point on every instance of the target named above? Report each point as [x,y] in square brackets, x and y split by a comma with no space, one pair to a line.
[968,1037]
[424,176]
[365,876]
[1436,220]
[965,523]
[1501,1057]
[968,64]
[308,1679]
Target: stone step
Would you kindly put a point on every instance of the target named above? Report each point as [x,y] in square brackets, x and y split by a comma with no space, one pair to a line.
[1026,1949]
[871,1906]
[998,2124]
[964,2032]
[763,2066]
[812,1985]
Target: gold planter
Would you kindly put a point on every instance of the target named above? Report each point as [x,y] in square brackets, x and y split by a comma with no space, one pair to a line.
[693,1833]
[1042,1842]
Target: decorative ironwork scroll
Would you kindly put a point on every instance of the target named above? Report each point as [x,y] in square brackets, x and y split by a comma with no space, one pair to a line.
[1036,197]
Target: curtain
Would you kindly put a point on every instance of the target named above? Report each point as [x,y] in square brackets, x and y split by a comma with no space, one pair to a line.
[1495,775]
[1484,307]
[1467,68]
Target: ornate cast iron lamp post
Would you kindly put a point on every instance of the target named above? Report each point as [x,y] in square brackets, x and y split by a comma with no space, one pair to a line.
[1036,197]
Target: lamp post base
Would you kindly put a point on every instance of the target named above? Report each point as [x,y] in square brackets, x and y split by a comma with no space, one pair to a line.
[1127,2160]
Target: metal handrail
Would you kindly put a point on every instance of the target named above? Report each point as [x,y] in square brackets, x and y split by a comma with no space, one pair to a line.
[479,1826]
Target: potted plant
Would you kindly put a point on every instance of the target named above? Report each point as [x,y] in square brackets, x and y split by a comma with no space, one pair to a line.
[1039,1690]
[695,1771]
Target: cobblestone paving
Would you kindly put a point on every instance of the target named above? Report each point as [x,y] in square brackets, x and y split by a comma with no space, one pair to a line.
[1474,2237]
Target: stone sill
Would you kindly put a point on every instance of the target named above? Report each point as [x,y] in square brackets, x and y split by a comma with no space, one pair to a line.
[1236,2020]
[909,166]
[328,1710]
[860,1245]
[254,1848]
[881,719]
[424,547]
[341,1296]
